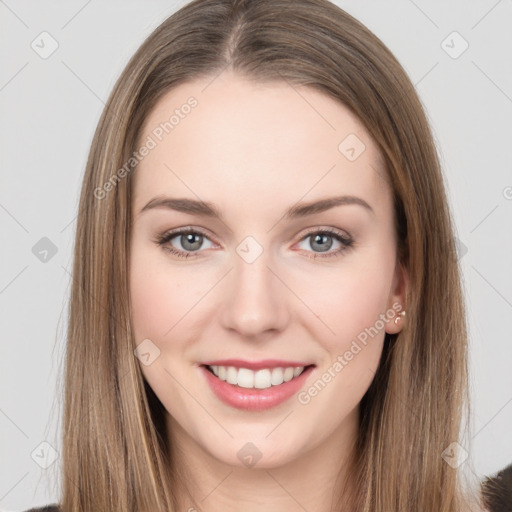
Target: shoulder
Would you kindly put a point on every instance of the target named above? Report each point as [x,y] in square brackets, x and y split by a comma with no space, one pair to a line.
[497,491]
[47,508]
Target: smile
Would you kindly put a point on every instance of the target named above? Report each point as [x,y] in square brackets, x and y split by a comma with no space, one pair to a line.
[255,390]
[260,379]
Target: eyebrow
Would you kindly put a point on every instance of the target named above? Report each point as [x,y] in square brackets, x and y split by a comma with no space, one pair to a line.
[206,209]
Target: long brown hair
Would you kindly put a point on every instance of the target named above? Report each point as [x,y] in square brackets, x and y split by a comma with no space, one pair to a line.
[115,453]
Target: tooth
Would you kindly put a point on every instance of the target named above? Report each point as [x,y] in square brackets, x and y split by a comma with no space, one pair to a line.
[262,379]
[231,375]
[277,376]
[245,378]
[288,374]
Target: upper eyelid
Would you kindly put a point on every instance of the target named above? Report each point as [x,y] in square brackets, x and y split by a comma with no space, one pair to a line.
[170,234]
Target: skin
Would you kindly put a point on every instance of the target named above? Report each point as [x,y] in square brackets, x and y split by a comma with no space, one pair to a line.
[255,150]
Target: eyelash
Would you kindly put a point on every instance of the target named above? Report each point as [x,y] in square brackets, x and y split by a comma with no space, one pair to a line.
[346,242]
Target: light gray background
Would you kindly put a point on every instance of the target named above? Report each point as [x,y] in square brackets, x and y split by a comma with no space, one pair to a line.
[49,110]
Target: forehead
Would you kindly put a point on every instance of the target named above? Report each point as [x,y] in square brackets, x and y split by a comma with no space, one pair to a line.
[226,137]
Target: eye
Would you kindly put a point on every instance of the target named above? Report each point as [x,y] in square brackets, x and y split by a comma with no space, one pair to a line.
[191,241]
[323,241]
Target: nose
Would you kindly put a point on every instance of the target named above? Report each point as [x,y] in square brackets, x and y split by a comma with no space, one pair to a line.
[256,298]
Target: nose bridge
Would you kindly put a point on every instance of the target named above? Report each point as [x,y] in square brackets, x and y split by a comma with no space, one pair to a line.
[256,299]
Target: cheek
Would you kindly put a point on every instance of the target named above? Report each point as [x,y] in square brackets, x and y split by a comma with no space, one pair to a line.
[157,303]
[167,300]
[348,300]
[352,335]
[155,296]
[150,307]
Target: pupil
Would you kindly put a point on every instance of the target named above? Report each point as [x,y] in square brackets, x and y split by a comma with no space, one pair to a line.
[322,237]
[189,238]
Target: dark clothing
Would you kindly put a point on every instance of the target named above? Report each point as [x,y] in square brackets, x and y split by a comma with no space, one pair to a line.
[497,491]
[48,508]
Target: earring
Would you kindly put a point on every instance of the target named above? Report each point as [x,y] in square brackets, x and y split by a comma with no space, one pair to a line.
[399,317]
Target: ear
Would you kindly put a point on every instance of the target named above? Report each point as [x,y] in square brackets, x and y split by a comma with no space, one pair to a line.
[396,301]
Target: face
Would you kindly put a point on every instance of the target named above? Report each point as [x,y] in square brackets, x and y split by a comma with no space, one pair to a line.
[315,287]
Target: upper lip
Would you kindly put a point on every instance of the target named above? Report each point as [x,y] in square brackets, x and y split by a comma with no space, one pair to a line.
[256,365]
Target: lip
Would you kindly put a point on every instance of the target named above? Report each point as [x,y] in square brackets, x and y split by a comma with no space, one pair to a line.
[256,365]
[255,399]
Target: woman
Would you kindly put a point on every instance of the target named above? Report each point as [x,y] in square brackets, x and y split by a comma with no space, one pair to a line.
[266,306]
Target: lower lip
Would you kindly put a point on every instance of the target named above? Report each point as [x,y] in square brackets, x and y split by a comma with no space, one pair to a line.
[255,399]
